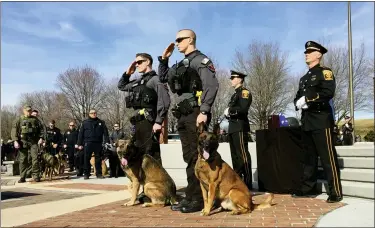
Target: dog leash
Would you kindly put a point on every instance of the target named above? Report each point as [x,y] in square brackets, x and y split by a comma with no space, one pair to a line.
[152,136]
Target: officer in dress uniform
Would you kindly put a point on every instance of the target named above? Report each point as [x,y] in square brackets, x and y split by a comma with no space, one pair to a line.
[193,80]
[239,128]
[316,89]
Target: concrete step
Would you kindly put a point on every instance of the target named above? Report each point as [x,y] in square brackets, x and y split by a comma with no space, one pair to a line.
[352,188]
[355,162]
[350,174]
[355,151]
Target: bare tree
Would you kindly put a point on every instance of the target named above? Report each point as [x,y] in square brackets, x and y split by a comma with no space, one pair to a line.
[267,68]
[84,89]
[337,59]
[223,96]
[8,115]
[114,106]
[294,85]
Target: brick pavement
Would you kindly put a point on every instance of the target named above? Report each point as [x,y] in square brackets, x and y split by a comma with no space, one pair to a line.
[287,212]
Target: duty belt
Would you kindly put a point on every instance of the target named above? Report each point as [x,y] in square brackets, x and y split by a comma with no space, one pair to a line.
[192,102]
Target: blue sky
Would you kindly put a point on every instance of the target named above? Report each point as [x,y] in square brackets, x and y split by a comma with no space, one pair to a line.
[42,39]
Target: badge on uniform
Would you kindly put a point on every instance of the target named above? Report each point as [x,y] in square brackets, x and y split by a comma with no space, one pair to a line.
[245,94]
[68,132]
[54,133]
[205,61]
[327,75]
[100,124]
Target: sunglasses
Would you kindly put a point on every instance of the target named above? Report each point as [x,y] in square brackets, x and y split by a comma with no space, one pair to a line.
[71,125]
[139,62]
[180,39]
[92,113]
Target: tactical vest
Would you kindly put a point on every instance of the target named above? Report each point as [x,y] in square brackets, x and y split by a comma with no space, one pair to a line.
[185,79]
[29,127]
[142,96]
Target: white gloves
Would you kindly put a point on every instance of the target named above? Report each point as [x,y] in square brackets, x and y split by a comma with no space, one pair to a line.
[226,112]
[301,103]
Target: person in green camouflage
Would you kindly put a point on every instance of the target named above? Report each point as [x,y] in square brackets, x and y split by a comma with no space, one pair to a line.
[27,133]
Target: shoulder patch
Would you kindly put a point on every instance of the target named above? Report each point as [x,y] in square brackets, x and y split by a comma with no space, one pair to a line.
[328,75]
[205,61]
[245,94]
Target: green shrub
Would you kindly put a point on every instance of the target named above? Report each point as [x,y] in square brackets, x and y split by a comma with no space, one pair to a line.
[370,137]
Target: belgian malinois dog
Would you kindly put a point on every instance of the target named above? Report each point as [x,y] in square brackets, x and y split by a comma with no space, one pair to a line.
[51,165]
[142,169]
[219,181]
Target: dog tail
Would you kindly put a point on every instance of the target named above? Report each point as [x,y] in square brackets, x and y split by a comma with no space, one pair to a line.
[266,204]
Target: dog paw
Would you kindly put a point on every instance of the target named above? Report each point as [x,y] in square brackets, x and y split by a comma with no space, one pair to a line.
[128,204]
[147,205]
[204,213]
[234,213]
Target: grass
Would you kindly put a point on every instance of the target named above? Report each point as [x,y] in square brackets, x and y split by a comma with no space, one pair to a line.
[362,126]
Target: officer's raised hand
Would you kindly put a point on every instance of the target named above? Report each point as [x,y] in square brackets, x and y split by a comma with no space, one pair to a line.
[168,51]
[40,141]
[131,68]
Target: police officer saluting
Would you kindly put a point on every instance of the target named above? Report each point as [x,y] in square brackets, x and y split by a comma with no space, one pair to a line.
[90,138]
[316,89]
[239,128]
[27,133]
[70,144]
[150,100]
[193,80]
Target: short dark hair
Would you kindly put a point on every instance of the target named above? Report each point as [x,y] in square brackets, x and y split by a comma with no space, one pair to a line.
[35,111]
[145,55]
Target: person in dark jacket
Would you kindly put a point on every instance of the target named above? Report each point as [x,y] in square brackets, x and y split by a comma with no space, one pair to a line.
[347,131]
[54,138]
[90,138]
[114,163]
[116,134]
[70,144]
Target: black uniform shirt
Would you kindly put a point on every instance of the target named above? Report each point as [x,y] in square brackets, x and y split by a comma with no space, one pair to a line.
[318,86]
[238,110]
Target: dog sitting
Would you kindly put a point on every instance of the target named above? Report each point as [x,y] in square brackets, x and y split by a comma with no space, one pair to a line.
[219,181]
[50,164]
[142,169]
[104,166]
